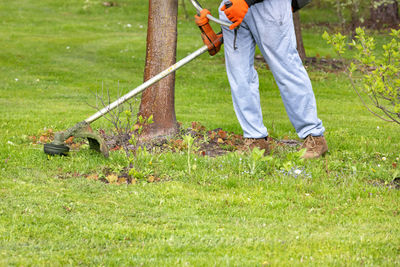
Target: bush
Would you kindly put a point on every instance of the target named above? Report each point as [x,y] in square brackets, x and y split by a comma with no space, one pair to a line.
[374,77]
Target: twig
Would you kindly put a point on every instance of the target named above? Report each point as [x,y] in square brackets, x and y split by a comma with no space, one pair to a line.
[362,100]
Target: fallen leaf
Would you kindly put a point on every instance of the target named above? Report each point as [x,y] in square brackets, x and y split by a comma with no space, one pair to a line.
[70,140]
[43,139]
[93,177]
[196,126]
[33,139]
[230,143]
[115,148]
[112,178]
[212,135]
[222,134]
[122,180]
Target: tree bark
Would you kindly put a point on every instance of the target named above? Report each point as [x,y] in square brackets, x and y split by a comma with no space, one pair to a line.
[385,15]
[299,36]
[158,100]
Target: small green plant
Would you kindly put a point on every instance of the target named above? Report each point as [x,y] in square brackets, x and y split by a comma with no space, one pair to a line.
[293,159]
[259,163]
[375,78]
[137,130]
[136,150]
[256,156]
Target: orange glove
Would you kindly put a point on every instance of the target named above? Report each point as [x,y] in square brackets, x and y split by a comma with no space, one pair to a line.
[212,40]
[202,19]
[236,12]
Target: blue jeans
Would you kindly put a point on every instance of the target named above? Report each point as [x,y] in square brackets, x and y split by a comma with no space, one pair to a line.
[269,25]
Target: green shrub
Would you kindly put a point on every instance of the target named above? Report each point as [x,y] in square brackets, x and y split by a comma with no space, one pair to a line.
[374,76]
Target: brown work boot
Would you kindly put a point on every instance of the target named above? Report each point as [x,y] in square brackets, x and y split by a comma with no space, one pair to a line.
[315,147]
[261,143]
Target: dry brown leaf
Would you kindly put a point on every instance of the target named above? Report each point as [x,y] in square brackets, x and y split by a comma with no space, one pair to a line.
[69,140]
[151,179]
[112,178]
[222,134]
[43,139]
[122,180]
[93,177]
[212,135]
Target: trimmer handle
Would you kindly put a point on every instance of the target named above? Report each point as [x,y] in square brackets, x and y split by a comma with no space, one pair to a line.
[199,8]
[228,4]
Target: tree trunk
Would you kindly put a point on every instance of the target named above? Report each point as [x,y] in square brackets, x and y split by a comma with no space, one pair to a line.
[158,100]
[385,15]
[299,37]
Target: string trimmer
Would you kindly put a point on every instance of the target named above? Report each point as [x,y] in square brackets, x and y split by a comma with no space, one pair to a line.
[83,129]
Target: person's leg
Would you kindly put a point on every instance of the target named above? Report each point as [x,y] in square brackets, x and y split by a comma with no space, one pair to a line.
[243,80]
[271,24]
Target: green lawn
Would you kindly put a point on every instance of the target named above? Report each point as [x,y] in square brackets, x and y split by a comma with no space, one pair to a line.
[341,209]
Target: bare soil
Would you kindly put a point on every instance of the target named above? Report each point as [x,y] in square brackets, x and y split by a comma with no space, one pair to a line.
[210,143]
[318,63]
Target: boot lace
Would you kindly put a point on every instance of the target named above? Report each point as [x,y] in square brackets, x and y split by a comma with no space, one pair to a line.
[309,143]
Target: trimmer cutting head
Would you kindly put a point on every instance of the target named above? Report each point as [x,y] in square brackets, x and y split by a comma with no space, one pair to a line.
[80,130]
[54,150]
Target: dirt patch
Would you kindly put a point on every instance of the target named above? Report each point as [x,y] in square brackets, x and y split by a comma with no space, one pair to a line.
[326,64]
[210,143]
[317,63]
[349,28]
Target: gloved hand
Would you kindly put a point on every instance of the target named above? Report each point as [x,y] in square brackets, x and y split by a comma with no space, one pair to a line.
[236,12]
[202,19]
[212,40]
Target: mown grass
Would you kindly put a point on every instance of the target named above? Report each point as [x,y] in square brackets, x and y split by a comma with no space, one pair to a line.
[53,53]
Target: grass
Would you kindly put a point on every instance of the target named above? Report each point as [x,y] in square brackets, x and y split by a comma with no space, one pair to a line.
[337,212]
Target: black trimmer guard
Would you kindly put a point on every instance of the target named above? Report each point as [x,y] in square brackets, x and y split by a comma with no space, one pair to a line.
[53,149]
[80,130]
